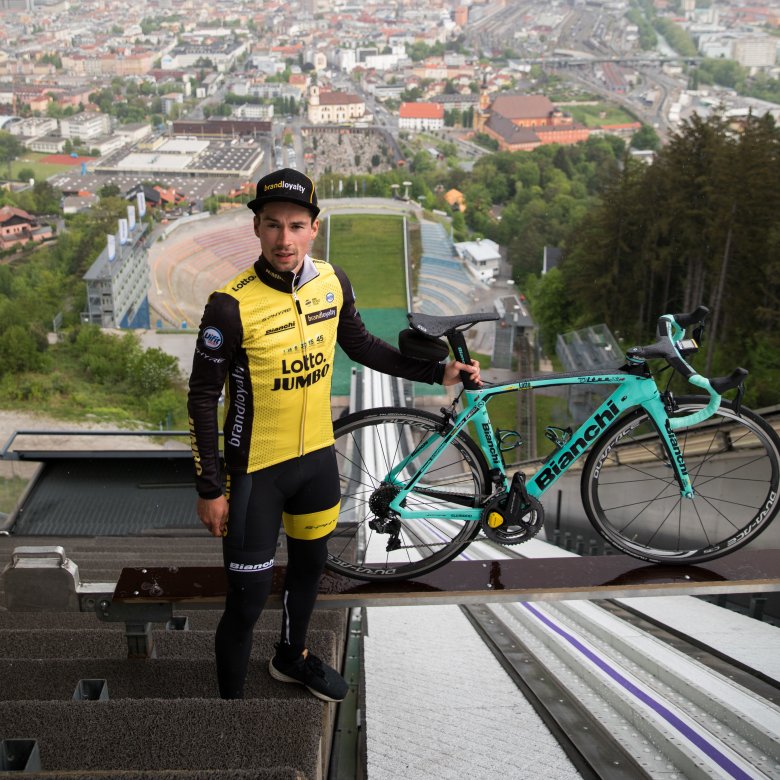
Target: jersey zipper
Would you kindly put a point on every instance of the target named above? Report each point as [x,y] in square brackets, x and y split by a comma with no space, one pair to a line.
[299,313]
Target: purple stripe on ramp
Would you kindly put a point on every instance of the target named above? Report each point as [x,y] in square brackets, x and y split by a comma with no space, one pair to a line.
[700,742]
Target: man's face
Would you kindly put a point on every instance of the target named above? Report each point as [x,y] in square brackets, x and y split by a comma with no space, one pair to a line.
[286,231]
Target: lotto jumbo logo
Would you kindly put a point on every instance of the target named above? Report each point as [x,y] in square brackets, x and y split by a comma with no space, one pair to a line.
[212,338]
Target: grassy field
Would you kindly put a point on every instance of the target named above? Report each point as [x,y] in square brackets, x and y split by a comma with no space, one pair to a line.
[599,114]
[42,171]
[370,248]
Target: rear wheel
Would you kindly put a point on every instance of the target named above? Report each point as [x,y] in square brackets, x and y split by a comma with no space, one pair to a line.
[369,542]
[632,498]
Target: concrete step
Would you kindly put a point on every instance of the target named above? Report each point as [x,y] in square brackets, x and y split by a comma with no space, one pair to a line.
[147,734]
[274,773]
[96,643]
[157,678]
[198,619]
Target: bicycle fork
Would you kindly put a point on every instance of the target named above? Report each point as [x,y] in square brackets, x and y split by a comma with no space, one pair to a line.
[658,412]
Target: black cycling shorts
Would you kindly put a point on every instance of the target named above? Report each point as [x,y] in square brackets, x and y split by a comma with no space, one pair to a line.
[303,493]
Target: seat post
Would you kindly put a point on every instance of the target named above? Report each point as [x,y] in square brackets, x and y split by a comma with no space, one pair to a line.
[461,351]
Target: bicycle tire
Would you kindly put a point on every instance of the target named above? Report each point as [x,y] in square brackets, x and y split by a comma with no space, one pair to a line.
[368,444]
[633,500]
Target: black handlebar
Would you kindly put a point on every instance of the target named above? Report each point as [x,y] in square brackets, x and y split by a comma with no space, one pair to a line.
[663,349]
[698,315]
[724,383]
[666,349]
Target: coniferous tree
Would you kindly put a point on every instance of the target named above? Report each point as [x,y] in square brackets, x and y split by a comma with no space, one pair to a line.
[699,226]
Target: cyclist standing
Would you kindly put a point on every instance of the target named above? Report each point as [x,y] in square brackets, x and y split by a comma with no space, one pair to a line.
[268,338]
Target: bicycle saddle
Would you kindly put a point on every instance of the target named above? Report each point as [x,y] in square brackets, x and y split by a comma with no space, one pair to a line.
[431,325]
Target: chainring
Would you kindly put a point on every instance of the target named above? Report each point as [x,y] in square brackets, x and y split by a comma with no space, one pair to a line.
[500,528]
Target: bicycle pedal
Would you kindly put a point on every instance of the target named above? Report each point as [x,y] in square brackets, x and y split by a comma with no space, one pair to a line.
[495,519]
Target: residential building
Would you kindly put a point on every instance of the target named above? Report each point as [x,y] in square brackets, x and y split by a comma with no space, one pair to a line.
[85,126]
[33,127]
[317,58]
[17,228]
[756,52]
[263,64]
[384,92]
[456,101]
[298,82]
[170,100]
[223,54]
[421,116]
[482,258]
[254,111]
[118,281]
[461,15]
[346,60]
[47,144]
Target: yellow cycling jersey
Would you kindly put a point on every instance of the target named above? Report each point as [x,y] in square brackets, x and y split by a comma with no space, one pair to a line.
[269,340]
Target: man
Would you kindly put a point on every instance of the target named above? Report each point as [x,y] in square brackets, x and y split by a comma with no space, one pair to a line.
[268,338]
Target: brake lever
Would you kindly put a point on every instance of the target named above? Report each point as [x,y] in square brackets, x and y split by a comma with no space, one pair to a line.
[738,399]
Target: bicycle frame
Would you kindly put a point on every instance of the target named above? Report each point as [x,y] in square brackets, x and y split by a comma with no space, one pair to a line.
[632,391]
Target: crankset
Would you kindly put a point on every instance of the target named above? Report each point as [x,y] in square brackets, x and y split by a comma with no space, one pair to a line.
[513,517]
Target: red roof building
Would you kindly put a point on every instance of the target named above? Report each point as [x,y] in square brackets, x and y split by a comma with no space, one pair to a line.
[421,116]
[523,122]
[17,227]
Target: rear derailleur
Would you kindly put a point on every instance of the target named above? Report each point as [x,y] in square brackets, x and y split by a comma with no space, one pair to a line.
[511,517]
[385,521]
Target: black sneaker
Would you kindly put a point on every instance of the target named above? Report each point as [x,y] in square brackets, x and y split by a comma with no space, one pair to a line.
[322,680]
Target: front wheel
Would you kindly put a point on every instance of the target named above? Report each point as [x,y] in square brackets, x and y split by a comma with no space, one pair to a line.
[632,498]
[369,542]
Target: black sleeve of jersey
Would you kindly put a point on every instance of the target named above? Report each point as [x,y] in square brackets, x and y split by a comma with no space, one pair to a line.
[365,348]
[219,337]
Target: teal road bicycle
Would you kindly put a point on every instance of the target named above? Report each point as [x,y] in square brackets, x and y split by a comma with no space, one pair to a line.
[665,479]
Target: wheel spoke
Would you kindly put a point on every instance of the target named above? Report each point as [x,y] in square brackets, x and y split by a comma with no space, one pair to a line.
[732,465]
[369,448]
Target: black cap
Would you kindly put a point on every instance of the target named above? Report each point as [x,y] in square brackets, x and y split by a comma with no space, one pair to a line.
[289,185]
